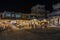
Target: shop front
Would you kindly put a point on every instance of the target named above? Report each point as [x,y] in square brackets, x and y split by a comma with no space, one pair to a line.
[54,20]
[20,24]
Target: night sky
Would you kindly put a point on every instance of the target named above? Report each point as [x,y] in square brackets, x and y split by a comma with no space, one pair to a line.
[25,5]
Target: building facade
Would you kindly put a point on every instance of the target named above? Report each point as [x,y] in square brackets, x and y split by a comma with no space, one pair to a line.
[54,17]
[10,15]
[14,15]
[39,10]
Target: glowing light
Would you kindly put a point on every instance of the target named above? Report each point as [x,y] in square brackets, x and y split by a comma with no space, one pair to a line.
[45,20]
[23,23]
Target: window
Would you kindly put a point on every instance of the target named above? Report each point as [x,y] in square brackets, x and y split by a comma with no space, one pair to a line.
[17,15]
[7,15]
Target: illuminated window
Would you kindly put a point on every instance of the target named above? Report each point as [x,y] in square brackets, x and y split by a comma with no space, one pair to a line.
[7,14]
[17,15]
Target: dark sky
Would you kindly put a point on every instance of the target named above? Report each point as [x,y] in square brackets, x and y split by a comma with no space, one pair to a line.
[24,5]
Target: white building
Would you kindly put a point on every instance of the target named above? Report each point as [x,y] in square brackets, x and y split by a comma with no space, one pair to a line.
[38,10]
